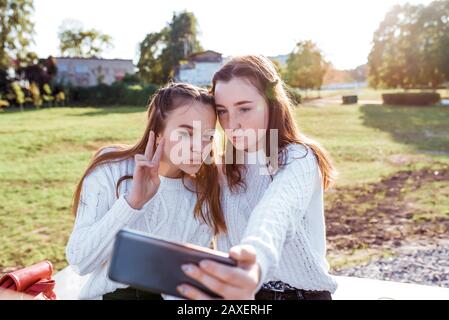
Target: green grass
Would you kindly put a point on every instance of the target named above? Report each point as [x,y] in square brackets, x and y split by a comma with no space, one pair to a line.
[371,141]
[431,201]
[44,152]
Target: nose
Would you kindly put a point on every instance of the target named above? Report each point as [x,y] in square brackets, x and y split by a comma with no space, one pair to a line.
[234,122]
[196,145]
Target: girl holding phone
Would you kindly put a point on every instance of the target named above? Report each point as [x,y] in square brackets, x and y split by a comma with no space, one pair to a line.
[279,213]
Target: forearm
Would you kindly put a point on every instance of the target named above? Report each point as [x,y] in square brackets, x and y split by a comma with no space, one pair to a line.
[90,244]
[279,211]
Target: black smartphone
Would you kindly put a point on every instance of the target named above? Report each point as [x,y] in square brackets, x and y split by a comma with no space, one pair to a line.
[149,263]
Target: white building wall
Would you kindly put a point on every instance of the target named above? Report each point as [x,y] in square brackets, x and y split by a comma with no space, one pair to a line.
[85,72]
[201,75]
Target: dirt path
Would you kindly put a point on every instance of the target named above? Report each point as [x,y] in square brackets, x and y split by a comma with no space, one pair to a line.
[378,216]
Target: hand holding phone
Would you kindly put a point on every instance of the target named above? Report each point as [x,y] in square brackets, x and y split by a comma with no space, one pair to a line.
[153,264]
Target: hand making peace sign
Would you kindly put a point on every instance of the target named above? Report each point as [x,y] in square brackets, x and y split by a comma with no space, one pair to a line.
[146,178]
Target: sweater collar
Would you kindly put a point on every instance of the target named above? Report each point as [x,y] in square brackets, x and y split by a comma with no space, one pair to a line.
[171,183]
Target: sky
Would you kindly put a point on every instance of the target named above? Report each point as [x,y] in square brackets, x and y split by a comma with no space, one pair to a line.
[342,29]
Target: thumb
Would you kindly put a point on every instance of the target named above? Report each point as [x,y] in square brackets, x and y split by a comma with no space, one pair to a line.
[243,254]
[154,177]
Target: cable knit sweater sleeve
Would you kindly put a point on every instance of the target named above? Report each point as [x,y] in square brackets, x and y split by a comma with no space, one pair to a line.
[97,222]
[281,207]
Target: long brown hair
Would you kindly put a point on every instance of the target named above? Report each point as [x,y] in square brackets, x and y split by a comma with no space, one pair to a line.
[205,181]
[262,73]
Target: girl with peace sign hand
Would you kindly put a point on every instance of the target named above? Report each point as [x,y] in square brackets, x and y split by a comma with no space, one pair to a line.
[162,185]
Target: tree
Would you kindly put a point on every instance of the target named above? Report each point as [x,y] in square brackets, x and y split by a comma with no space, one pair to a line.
[334,75]
[16,30]
[359,74]
[150,64]
[393,60]
[411,47]
[75,41]
[434,26]
[305,66]
[181,41]
[4,80]
[161,52]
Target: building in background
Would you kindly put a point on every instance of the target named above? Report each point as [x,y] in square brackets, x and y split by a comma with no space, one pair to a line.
[86,72]
[199,68]
[282,59]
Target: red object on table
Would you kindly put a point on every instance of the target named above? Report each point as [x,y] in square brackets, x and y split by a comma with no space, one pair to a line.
[34,281]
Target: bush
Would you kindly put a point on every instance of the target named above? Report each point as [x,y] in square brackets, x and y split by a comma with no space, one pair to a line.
[36,97]
[60,98]
[3,103]
[411,98]
[115,94]
[47,94]
[18,94]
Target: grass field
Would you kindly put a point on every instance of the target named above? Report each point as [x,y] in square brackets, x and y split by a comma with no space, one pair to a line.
[44,152]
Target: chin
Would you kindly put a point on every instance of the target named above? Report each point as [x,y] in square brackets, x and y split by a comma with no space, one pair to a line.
[191,169]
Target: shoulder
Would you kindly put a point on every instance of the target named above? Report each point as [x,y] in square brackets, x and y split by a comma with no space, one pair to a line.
[106,150]
[112,170]
[296,156]
[298,170]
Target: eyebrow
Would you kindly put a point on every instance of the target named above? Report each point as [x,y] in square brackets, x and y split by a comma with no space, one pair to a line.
[242,102]
[186,126]
[235,104]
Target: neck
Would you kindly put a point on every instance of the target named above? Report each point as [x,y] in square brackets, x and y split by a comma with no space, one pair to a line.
[168,170]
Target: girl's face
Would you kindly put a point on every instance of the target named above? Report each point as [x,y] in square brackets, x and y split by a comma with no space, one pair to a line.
[188,135]
[242,112]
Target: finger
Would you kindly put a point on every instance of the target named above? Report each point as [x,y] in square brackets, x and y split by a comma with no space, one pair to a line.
[139,157]
[150,146]
[243,254]
[158,154]
[141,161]
[192,293]
[144,164]
[233,276]
[210,282]
[154,176]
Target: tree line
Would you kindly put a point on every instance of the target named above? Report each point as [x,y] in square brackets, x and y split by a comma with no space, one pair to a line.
[410,49]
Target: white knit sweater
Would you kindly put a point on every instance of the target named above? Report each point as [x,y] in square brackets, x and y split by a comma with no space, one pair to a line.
[283,218]
[169,215]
